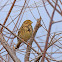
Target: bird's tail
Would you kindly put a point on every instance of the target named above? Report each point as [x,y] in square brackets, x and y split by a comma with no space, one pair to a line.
[18,44]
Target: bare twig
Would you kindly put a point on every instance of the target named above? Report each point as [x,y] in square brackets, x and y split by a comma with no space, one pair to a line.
[45,49]
[8,14]
[54,7]
[53,42]
[57,5]
[45,8]
[36,59]
[8,49]
[56,21]
[38,45]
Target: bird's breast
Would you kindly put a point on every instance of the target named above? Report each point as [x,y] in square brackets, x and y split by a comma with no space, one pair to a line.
[26,33]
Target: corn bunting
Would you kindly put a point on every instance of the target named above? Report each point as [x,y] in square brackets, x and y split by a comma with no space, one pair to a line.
[25,32]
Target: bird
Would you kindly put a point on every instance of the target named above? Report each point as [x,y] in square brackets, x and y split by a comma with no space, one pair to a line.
[25,32]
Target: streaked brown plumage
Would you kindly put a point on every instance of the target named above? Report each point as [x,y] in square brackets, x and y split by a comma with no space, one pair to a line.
[25,32]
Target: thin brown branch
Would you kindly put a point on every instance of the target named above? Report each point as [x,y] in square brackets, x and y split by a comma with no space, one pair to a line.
[8,14]
[54,42]
[27,55]
[36,59]
[8,49]
[56,21]
[57,4]
[45,49]
[3,58]
[45,8]
[38,45]
[54,7]
[60,2]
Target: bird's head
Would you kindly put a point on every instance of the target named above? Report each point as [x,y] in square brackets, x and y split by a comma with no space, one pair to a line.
[28,22]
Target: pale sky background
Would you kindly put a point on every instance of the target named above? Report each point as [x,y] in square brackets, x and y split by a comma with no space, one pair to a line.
[27,15]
